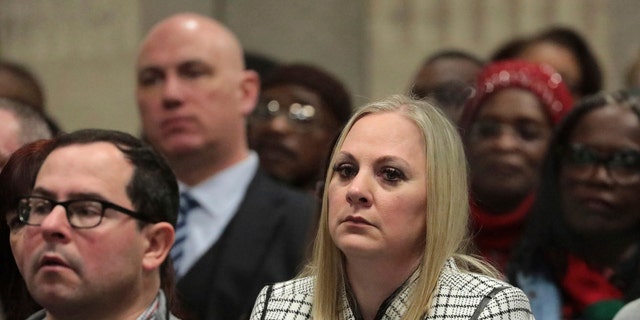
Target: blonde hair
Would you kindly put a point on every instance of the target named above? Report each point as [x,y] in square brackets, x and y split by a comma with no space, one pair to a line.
[447,211]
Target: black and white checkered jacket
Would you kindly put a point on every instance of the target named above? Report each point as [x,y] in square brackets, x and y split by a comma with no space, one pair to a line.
[460,296]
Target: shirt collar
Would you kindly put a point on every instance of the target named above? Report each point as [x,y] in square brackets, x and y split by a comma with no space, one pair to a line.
[229,184]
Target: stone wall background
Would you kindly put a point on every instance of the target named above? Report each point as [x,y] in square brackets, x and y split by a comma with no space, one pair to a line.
[84,50]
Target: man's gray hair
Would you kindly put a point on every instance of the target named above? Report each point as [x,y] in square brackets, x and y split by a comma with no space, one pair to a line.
[33,125]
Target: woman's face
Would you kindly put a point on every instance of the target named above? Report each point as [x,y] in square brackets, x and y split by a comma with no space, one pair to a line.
[506,145]
[292,148]
[600,173]
[377,195]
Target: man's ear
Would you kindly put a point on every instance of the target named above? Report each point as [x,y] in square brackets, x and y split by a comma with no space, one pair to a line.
[160,238]
[250,87]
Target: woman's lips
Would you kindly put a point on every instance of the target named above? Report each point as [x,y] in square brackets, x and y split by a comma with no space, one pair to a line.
[357,220]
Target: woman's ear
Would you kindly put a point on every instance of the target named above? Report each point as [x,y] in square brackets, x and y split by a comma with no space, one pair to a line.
[160,237]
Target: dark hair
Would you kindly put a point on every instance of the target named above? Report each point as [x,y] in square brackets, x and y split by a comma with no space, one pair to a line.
[591,75]
[591,80]
[331,91]
[29,80]
[509,50]
[449,93]
[153,188]
[17,178]
[454,54]
[35,97]
[547,234]
[260,63]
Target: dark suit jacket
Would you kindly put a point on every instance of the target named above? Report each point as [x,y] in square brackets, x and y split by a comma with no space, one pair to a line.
[265,242]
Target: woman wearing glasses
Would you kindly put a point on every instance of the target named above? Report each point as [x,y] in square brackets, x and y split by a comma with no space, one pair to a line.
[579,257]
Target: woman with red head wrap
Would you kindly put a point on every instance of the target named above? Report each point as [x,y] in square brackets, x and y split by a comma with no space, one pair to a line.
[506,128]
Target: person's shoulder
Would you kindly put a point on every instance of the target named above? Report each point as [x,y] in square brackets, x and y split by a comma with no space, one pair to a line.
[298,207]
[41,314]
[491,298]
[290,299]
[298,286]
[472,283]
[265,182]
[629,311]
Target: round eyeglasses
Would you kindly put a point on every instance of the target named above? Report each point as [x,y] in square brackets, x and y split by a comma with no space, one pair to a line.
[299,116]
[81,213]
[623,166]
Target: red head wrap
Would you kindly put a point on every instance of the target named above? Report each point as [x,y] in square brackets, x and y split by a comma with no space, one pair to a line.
[540,79]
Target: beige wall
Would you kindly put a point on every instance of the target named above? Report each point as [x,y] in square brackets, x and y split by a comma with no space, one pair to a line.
[84,51]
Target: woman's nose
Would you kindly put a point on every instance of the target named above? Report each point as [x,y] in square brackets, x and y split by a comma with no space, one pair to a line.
[358,192]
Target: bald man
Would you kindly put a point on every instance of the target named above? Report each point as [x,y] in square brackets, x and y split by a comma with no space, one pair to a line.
[238,229]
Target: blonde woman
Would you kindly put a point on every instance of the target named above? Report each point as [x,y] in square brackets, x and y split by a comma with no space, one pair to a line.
[390,241]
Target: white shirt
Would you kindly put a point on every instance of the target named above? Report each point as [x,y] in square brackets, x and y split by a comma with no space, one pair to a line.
[219,198]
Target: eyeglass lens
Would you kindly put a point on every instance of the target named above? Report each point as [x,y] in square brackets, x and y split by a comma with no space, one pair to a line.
[80,213]
[298,114]
[623,166]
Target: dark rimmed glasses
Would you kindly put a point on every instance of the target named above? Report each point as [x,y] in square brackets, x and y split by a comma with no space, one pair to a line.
[623,166]
[81,213]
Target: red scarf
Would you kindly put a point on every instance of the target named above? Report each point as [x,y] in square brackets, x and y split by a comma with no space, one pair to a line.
[587,287]
[496,234]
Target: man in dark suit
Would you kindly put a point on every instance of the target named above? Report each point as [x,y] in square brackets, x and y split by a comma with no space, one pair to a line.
[238,230]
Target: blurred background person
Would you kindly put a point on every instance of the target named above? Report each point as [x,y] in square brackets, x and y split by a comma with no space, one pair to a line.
[448,77]
[17,179]
[566,51]
[19,124]
[260,63]
[579,257]
[300,110]
[632,76]
[506,129]
[18,83]
[238,229]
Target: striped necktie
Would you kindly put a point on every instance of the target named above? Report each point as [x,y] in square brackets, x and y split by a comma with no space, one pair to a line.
[187,203]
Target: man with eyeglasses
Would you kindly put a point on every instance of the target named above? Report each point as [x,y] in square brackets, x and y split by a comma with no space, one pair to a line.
[92,238]
[300,111]
[238,229]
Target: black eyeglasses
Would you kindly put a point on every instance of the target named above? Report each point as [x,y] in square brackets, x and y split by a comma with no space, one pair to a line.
[300,116]
[81,213]
[623,166]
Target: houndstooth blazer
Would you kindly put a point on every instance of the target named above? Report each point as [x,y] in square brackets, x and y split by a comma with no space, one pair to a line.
[459,297]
